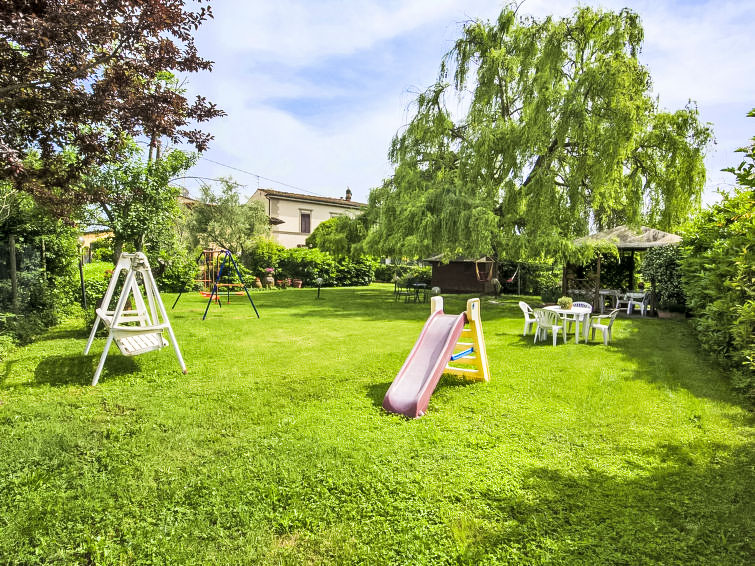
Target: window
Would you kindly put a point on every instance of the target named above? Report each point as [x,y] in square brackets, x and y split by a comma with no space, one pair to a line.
[304,221]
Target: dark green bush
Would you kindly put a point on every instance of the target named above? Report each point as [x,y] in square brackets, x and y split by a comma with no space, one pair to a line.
[661,265]
[718,274]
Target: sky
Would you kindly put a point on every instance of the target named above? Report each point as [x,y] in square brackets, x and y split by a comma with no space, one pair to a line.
[314,90]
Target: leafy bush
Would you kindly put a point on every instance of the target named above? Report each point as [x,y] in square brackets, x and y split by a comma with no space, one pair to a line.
[661,265]
[176,271]
[264,254]
[385,272]
[532,278]
[718,273]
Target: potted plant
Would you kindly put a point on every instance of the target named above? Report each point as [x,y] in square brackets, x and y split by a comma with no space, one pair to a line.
[565,303]
[269,279]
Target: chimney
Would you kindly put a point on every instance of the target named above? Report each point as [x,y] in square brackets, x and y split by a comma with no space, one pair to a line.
[348,193]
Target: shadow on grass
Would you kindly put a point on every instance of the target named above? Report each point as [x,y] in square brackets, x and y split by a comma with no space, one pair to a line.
[661,351]
[79,369]
[374,303]
[677,511]
[64,334]
[376,392]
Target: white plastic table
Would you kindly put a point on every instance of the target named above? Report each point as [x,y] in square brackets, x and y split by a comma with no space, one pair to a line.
[579,314]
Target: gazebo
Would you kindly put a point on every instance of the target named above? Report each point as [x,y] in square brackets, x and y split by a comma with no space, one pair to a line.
[629,239]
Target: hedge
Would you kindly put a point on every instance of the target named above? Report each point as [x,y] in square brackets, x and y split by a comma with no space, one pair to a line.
[718,275]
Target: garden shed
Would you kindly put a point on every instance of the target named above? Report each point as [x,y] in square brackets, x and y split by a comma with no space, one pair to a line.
[464,275]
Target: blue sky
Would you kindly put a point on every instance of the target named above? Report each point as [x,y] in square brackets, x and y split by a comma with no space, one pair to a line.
[316,89]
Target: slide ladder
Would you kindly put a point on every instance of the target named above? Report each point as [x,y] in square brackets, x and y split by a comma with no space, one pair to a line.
[469,360]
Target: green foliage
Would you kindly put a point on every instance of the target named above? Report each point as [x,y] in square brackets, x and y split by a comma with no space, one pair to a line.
[96,278]
[718,269]
[263,254]
[175,271]
[661,265]
[340,236]
[102,249]
[533,278]
[222,220]
[561,131]
[138,203]
[308,264]
[388,273]
[274,448]
[46,256]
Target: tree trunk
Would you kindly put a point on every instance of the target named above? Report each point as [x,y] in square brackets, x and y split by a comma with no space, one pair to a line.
[13,272]
[117,249]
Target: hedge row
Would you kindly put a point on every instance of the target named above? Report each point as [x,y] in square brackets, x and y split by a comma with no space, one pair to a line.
[718,275]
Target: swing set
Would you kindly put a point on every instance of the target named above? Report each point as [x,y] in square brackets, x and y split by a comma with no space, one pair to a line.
[211,273]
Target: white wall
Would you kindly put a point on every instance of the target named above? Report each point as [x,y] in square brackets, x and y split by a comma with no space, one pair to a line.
[289,234]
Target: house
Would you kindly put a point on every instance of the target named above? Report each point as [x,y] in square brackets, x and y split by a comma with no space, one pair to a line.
[294,216]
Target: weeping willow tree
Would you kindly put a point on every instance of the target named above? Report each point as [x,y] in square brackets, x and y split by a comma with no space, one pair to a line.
[558,134]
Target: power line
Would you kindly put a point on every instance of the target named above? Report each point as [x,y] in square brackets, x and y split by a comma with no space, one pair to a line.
[262,177]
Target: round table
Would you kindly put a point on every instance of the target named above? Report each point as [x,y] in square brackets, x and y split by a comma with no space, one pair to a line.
[577,314]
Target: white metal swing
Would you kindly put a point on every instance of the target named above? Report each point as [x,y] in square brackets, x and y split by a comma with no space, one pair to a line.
[139,329]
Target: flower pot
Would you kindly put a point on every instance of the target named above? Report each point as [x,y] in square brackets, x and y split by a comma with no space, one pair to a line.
[297,283]
[257,283]
[269,282]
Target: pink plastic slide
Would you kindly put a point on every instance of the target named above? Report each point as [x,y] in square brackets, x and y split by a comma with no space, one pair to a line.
[409,394]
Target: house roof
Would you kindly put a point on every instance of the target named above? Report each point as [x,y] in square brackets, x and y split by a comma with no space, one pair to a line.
[269,193]
[627,238]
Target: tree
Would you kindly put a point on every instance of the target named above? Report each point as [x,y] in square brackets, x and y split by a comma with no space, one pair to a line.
[341,236]
[140,204]
[560,135]
[87,75]
[222,220]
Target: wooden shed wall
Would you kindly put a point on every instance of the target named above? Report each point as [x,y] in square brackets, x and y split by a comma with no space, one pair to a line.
[460,277]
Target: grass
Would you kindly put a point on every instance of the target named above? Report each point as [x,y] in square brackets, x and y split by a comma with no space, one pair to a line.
[274,449]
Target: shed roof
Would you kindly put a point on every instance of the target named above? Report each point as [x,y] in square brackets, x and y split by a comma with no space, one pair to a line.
[627,238]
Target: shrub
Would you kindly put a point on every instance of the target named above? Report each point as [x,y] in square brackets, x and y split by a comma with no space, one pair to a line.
[661,266]
[718,274]
[176,271]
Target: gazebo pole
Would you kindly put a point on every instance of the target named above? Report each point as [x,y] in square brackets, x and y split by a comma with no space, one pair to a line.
[631,273]
[596,298]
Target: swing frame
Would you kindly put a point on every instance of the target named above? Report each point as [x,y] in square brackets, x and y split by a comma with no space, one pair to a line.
[227,254]
[135,330]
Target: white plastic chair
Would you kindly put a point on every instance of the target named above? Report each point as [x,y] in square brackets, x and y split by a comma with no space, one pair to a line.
[529,319]
[548,320]
[571,319]
[644,305]
[603,322]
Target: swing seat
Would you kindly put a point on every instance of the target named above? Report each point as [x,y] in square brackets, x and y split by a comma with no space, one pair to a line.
[141,343]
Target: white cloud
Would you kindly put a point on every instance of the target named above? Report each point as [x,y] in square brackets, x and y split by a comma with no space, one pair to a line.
[298,33]
[268,53]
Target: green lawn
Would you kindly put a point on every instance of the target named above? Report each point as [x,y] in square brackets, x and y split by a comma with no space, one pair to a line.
[274,448]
